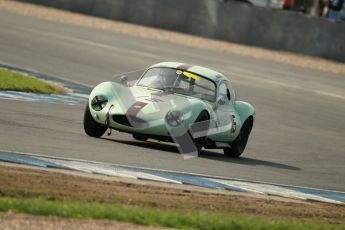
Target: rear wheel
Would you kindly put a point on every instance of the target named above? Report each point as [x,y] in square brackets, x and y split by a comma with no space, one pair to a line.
[139,137]
[91,127]
[238,146]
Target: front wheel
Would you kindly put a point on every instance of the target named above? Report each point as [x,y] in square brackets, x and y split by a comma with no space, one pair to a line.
[205,119]
[91,127]
[238,146]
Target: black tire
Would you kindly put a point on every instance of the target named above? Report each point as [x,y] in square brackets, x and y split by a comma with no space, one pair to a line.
[200,141]
[91,127]
[240,143]
[139,137]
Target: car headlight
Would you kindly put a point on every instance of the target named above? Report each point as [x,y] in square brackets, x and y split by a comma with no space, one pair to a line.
[99,102]
[174,118]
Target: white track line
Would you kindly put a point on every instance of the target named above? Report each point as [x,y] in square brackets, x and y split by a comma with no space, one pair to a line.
[169,171]
[96,44]
[275,190]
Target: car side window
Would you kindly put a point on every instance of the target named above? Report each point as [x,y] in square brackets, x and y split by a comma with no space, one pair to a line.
[225,92]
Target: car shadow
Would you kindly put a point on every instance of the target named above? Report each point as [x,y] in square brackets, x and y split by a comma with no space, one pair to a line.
[207,154]
[243,160]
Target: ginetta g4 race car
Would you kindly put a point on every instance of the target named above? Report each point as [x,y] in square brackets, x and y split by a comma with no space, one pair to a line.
[192,106]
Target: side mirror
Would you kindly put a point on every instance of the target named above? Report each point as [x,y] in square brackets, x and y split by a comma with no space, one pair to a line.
[220,101]
[124,80]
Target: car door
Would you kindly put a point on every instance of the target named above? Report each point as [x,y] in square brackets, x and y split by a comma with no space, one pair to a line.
[228,119]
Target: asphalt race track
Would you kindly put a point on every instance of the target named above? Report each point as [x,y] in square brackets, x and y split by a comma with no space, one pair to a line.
[298,136]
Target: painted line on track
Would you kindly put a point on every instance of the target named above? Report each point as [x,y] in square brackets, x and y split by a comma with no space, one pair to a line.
[78,96]
[110,171]
[174,177]
[239,73]
[77,87]
[276,190]
[199,181]
[46,98]
[28,160]
[95,44]
[341,193]
[333,196]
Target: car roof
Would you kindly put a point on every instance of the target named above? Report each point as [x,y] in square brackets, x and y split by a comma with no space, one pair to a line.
[199,70]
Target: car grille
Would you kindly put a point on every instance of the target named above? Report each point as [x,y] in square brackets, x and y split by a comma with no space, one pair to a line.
[133,122]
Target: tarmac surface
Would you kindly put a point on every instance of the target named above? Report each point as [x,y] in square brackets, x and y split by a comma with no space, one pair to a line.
[298,136]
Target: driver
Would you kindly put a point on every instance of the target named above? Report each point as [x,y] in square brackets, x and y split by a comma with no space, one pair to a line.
[166,79]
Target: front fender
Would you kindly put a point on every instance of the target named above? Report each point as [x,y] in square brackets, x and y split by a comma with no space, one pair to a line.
[105,89]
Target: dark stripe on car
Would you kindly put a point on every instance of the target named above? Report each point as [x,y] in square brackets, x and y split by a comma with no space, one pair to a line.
[135,108]
[131,115]
[184,66]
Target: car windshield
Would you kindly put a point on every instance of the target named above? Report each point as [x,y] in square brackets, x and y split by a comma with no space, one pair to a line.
[179,81]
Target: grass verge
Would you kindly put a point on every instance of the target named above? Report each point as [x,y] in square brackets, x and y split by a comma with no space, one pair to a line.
[11,80]
[145,216]
[45,192]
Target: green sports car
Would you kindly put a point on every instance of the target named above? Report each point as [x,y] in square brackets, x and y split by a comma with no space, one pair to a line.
[190,105]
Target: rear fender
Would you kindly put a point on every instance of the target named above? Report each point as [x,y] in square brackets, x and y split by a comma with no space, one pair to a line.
[244,110]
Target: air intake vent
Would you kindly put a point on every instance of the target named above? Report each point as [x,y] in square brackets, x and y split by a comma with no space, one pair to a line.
[130,121]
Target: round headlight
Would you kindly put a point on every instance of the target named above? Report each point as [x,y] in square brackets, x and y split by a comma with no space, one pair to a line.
[174,118]
[99,102]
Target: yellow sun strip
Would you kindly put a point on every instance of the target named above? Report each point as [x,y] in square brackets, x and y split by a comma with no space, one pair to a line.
[191,75]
